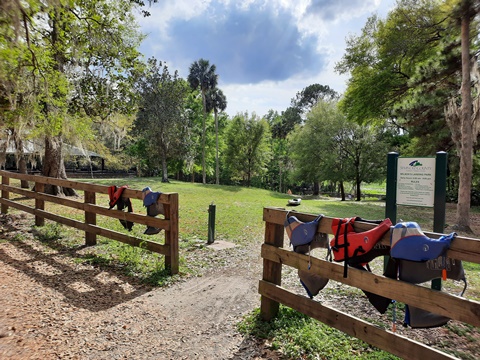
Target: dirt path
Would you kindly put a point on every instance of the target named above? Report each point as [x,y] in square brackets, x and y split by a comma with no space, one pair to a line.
[194,320]
[54,308]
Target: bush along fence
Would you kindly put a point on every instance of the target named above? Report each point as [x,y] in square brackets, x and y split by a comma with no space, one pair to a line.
[168,202]
[356,242]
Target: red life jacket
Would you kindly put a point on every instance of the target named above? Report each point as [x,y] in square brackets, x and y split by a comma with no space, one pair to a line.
[115,194]
[350,246]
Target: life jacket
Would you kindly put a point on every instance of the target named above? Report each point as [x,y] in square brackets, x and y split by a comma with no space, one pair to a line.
[417,272]
[154,208]
[408,242]
[358,249]
[116,198]
[352,247]
[304,237]
[416,258]
[299,232]
[312,283]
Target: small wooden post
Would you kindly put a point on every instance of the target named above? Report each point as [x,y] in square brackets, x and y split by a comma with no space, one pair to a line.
[90,218]
[39,204]
[272,271]
[5,194]
[171,236]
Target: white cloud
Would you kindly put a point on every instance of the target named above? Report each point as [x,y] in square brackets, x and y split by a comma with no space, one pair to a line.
[265,51]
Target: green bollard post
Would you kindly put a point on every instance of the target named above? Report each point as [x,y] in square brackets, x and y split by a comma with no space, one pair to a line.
[211,223]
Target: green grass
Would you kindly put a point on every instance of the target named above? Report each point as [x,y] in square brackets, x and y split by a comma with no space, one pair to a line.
[374,189]
[473,277]
[301,337]
[239,210]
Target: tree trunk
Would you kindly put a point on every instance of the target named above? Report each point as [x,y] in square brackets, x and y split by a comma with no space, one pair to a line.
[280,177]
[342,190]
[204,176]
[54,166]
[466,150]
[21,162]
[164,170]
[22,169]
[217,167]
[316,188]
[359,194]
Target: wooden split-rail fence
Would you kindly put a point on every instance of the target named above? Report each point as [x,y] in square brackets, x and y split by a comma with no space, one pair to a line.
[169,224]
[275,256]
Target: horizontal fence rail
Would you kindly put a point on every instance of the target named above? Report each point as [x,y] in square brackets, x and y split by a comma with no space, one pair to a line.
[273,294]
[169,224]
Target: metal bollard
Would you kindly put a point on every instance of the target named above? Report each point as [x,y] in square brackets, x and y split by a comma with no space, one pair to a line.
[211,223]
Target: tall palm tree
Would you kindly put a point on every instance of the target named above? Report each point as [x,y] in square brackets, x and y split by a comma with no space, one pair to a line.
[202,75]
[216,101]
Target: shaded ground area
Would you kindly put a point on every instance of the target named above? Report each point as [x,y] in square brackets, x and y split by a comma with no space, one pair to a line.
[54,308]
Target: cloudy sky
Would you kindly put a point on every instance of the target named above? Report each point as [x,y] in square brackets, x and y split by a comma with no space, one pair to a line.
[265,51]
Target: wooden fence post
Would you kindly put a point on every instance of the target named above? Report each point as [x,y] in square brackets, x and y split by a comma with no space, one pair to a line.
[5,194]
[39,204]
[171,236]
[272,271]
[90,218]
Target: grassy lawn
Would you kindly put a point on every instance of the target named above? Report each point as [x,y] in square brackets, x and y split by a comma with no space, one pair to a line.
[239,210]
[238,220]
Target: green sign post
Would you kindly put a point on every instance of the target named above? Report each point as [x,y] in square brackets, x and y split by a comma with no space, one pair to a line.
[418,182]
[439,208]
[391,201]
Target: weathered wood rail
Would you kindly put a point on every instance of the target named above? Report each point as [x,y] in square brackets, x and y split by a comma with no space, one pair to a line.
[90,209]
[273,294]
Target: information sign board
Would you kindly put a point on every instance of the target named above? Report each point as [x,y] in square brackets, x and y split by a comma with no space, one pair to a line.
[416,181]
